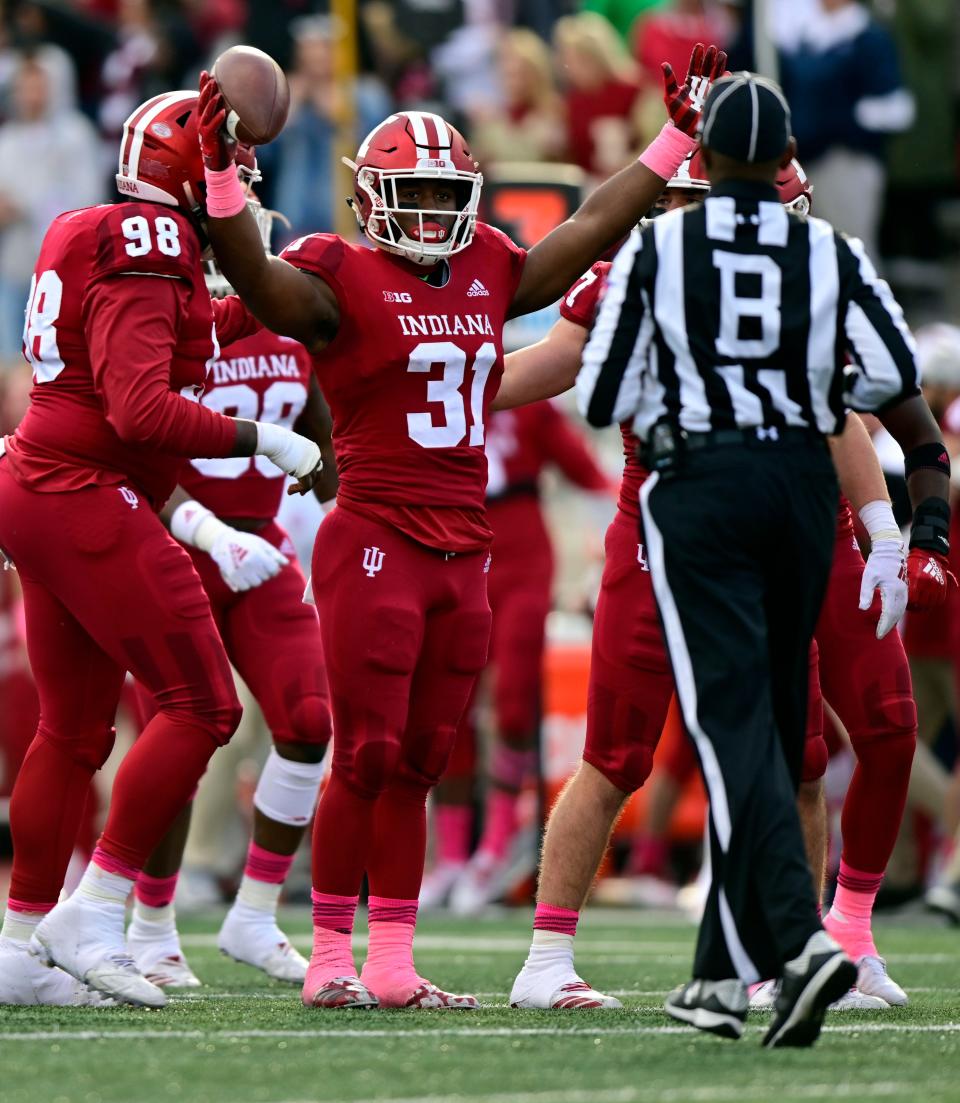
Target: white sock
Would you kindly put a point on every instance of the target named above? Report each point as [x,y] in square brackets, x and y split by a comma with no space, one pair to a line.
[19,926]
[155,919]
[550,948]
[256,899]
[99,887]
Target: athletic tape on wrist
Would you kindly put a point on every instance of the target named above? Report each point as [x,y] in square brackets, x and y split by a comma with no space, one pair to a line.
[665,154]
[878,520]
[225,194]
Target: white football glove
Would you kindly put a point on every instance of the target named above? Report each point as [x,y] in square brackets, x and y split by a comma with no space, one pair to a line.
[886,571]
[293,454]
[245,559]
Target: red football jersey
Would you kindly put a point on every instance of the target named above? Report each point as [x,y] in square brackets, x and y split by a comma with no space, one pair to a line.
[119,330]
[521,442]
[579,306]
[409,379]
[263,377]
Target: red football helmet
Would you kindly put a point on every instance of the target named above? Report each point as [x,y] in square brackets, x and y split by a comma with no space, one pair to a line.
[690,176]
[415,145]
[796,191]
[160,156]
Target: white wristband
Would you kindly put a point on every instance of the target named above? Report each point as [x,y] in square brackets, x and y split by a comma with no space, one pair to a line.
[195,525]
[878,520]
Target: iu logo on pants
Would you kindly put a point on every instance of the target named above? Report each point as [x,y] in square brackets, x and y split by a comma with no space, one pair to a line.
[129,497]
[372,561]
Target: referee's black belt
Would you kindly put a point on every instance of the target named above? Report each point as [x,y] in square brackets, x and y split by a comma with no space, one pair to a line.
[668,444]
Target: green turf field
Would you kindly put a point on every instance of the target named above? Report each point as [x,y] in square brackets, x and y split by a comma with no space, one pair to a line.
[243,1039]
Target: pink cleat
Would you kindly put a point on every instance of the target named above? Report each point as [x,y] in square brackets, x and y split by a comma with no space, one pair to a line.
[401,990]
[338,994]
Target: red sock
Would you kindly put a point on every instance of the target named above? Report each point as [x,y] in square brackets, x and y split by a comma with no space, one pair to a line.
[154,782]
[395,864]
[46,810]
[453,824]
[547,917]
[156,892]
[342,836]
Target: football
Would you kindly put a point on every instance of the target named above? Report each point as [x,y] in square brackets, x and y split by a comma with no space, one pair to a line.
[256,93]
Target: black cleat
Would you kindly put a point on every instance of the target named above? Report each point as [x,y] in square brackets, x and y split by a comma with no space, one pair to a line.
[811,982]
[719,1006]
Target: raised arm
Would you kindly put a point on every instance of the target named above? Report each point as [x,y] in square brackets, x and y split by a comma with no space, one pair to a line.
[609,214]
[286,299]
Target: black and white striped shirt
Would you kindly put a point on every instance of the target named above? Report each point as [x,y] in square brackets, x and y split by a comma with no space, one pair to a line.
[736,314]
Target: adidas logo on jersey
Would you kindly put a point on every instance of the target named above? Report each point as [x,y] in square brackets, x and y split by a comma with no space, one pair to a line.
[476,290]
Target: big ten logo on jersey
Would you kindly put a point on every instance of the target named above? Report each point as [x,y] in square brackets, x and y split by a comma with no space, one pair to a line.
[397,297]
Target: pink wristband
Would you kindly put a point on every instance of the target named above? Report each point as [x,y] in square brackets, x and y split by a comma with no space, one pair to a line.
[666,152]
[225,194]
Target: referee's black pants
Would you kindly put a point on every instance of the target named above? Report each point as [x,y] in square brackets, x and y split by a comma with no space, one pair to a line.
[739,541]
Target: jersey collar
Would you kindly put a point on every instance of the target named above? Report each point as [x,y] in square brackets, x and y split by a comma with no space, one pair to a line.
[745,189]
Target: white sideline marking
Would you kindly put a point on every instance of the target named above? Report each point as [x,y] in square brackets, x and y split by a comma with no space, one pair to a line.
[572,1032]
[477,944]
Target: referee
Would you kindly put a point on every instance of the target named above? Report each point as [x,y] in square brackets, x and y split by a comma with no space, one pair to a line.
[722,337]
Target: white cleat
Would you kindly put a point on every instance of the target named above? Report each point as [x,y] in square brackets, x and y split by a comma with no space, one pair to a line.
[263,945]
[872,980]
[764,995]
[481,883]
[558,990]
[642,891]
[86,940]
[438,884]
[156,951]
[27,982]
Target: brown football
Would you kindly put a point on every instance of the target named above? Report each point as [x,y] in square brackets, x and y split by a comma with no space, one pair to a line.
[256,93]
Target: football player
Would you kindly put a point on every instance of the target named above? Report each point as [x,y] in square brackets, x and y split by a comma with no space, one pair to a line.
[631,682]
[119,329]
[407,342]
[225,514]
[520,444]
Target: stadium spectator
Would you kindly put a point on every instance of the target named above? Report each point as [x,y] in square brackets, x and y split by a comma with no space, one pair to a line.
[602,91]
[48,164]
[670,32]
[529,125]
[301,160]
[623,14]
[841,75]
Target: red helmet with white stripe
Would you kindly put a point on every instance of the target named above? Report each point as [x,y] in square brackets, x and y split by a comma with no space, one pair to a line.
[160,157]
[422,146]
[794,188]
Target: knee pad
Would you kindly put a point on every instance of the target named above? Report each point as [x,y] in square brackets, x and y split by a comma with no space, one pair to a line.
[894,740]
[221,718]
[627,770]
[470,645]
[462,762]
[425,756]
[89,748]
[815,756]
[369,768]
[308,725]
[287,790]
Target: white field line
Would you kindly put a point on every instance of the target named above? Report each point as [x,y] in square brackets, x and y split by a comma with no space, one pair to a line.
[669,1095]
[587,1034]
[479,943]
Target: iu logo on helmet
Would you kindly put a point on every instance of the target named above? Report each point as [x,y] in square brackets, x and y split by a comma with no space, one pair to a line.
[372,561]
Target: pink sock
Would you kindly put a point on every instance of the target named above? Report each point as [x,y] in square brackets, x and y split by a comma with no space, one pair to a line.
[29,907]
[559,920]
[332,954]
[454,825]
[500,822]
[111,864]
[510,766]
[649,855]
[848,920]
[156,892]
[389,971]
[265,865]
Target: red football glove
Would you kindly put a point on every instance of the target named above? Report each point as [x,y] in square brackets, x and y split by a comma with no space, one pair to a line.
[929,579]
[685,101]
[218,148]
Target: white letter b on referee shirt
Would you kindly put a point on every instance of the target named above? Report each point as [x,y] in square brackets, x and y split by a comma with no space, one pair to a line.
[734,308]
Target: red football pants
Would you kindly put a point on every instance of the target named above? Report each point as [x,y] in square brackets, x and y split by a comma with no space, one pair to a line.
[273,640]
[405,633]
[867,682]
[106,589]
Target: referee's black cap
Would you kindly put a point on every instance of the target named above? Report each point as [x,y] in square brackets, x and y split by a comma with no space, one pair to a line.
[746,117]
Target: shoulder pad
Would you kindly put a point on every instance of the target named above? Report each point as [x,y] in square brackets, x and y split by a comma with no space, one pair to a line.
[321,254]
